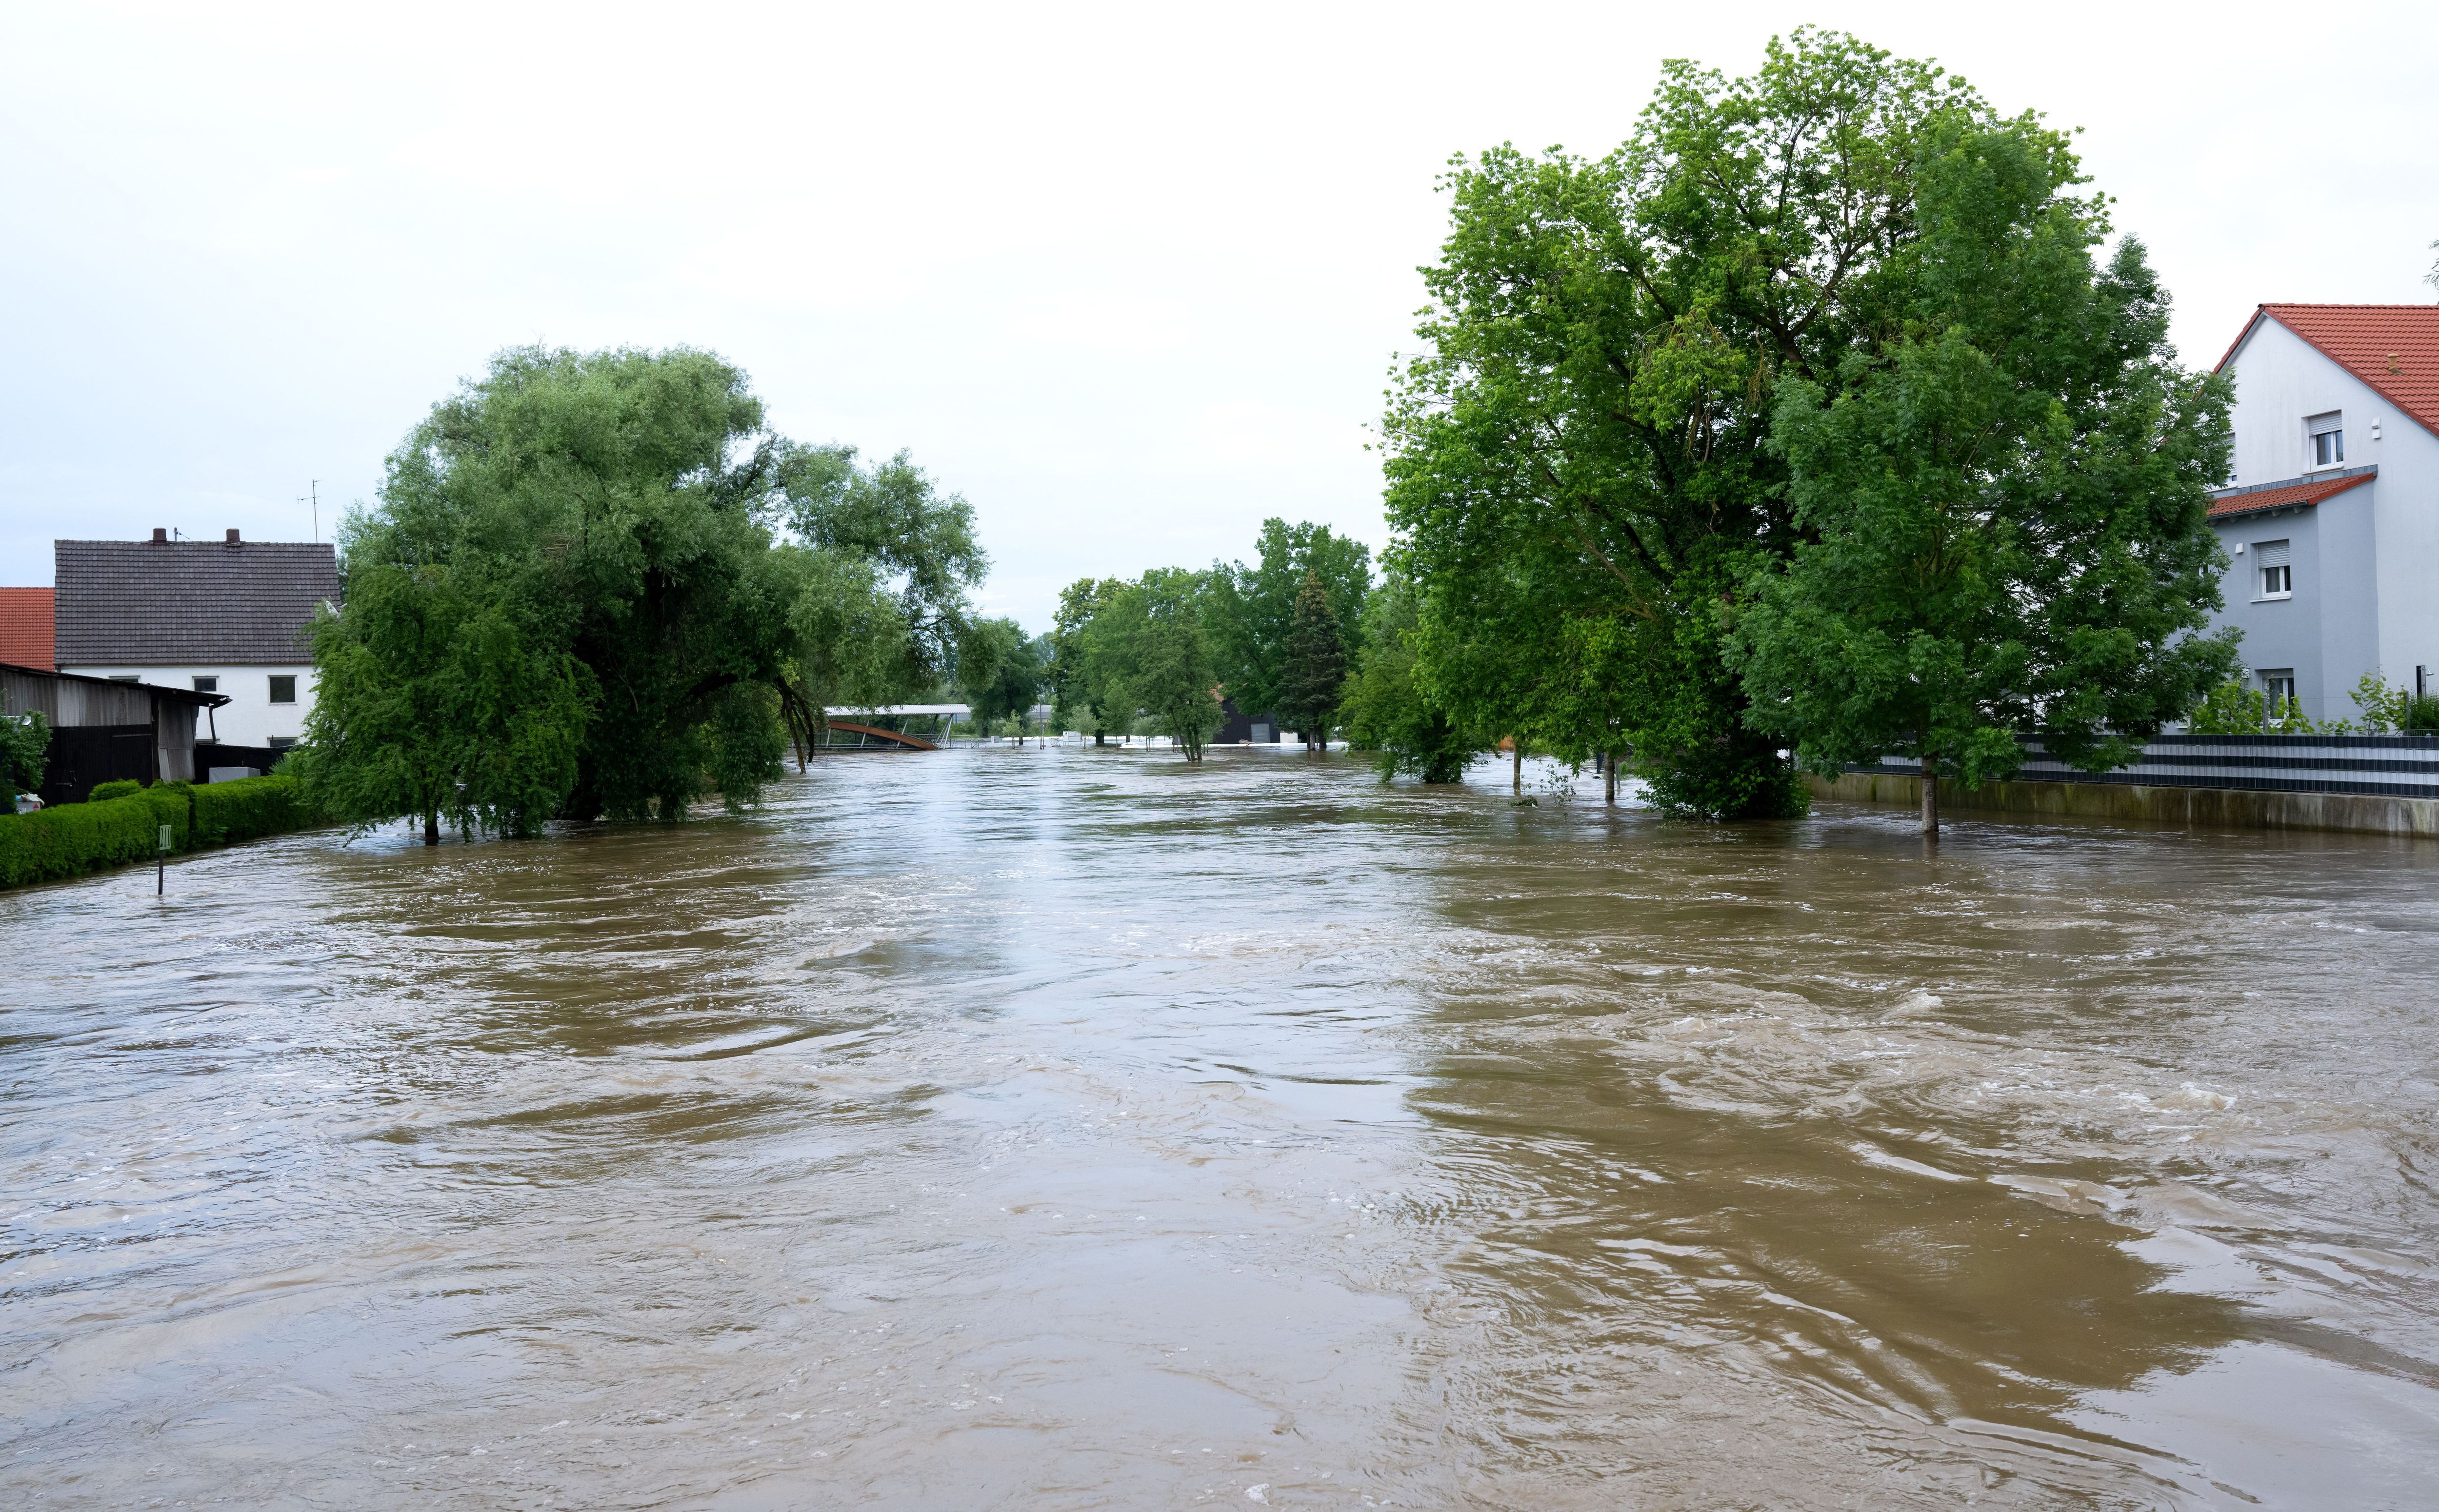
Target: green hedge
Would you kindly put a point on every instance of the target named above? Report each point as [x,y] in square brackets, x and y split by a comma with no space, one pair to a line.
[247,809]
[76,838]
[123,788]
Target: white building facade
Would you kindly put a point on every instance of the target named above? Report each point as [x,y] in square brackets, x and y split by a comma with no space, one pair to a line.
[266,704]
[2331,521]
[230,618]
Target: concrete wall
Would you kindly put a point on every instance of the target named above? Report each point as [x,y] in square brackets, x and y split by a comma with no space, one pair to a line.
[249,718]
[2186,807]
[2377,556]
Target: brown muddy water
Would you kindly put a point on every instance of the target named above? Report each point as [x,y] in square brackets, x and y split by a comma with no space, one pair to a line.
[1062,1128]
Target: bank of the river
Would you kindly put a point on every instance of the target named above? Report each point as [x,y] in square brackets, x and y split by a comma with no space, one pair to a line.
[1024,1128]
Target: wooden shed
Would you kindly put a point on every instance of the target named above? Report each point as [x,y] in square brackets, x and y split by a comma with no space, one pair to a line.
[103,729]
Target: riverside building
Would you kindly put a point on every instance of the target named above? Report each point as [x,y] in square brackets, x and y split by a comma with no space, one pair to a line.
[230,618]
[2331,521]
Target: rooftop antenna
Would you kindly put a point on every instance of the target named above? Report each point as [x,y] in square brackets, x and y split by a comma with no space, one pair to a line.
[315,499]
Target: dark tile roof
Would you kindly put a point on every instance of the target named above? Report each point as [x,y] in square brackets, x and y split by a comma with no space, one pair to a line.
[2394,349]
[2282,495]
[25,626]
[124,603]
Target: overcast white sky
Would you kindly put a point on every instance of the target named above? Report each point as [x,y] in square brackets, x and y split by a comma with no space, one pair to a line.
[1128,277]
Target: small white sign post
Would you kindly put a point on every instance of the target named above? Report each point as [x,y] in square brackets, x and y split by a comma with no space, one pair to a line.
[161,869]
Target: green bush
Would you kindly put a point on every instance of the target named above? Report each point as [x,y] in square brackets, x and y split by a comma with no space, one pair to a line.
[76,838]
[2422,714]
[247,809]
[123,788]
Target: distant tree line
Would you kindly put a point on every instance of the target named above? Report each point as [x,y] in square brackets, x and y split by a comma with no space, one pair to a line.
[1161,652]
[1816,419]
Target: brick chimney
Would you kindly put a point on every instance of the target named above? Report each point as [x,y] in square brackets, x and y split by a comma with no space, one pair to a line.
[232,537]
[160,535]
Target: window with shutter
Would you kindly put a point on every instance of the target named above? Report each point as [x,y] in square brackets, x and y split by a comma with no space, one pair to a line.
[2325,436]
[2274,567]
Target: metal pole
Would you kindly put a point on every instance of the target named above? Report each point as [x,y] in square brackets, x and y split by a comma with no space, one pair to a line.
[161,868]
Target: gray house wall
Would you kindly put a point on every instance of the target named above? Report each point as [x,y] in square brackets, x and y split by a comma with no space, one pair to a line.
[2278,633]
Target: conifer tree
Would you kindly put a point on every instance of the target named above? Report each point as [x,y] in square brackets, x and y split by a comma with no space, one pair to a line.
[1316,664]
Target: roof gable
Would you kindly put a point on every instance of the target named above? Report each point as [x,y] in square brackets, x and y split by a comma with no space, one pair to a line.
[2394,350]
[175,603]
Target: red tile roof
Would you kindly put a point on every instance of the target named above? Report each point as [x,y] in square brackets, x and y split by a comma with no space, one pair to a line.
[25,627]
[2244,500]
[2395,348]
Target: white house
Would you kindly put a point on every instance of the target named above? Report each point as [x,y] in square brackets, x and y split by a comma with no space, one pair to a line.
[2332,518]
[212,617]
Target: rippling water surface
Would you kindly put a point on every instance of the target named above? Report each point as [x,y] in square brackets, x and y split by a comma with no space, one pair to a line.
[1071,1129]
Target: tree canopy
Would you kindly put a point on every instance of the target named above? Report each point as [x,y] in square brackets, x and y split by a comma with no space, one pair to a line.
[596,584]
[1611,440]
[1314,671]
[1146,651]
[2003,506]
[1252,609]
[1001,669]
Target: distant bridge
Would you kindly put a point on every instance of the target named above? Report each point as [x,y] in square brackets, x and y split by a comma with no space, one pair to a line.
[865,737]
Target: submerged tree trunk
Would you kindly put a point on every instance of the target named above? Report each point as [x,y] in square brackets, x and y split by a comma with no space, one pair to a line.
[1516,778]
[1609,778]
[1930,798]
[432,826]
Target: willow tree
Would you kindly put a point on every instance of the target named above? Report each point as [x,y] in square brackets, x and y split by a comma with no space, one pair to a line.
[626,513]
[1580,464]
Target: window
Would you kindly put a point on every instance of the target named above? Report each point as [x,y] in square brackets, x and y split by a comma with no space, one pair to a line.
[281,742]
[2279,682]
[125,677]
[207,685]
[2274,564]
[283,687]
[2327,434]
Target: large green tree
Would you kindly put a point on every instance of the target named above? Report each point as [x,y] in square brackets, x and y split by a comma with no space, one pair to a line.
[1314,673]
[1150,650]
[2002,504]
[1579,468]
[1251,609]
[443,701]
[628,512]
[1000,670]
[1080,685]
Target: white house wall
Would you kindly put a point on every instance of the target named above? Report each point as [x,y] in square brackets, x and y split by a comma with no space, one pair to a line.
[249,718]
[2281,380]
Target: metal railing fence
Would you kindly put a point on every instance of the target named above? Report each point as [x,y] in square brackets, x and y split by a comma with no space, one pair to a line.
[2397,765]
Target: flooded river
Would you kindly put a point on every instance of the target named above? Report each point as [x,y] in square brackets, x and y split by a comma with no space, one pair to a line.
[1070,1128]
